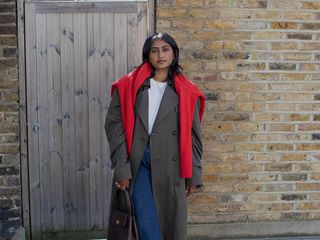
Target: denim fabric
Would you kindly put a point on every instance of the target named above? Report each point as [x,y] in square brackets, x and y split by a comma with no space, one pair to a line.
[143,202]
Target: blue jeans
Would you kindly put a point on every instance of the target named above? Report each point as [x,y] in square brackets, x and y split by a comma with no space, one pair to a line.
[143,202]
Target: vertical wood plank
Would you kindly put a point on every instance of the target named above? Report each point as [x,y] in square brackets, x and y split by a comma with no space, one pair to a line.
[43,120]
[68,121]
[120,47]
[142,28]
[55,121]
[132,43]
[107,77]
[82,124]
[32,115]
[23,119]
[94,117]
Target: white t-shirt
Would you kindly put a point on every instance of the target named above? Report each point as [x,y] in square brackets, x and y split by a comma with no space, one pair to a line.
[155,93]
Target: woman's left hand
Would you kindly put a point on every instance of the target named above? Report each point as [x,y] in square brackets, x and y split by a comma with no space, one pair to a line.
[190,190]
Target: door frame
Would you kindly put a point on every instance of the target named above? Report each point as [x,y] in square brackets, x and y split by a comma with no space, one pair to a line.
[24,160]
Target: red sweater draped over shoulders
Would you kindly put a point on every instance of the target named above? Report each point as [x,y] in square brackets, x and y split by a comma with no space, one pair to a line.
[188,94]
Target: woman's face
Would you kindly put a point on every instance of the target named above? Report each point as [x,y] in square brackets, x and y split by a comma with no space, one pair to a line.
[161,55]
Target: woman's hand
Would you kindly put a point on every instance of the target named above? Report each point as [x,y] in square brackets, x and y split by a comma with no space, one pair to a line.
[123,184]
[190,190]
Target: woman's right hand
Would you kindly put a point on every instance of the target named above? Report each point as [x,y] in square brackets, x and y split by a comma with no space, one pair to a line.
[122,184]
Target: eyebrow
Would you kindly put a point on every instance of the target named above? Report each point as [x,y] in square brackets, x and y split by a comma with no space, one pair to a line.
[164,46]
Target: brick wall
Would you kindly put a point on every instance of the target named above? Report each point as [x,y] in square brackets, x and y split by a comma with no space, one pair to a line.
[10,189]
[258,63]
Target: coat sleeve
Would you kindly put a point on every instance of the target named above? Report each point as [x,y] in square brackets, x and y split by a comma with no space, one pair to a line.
[196,179]
[116,137]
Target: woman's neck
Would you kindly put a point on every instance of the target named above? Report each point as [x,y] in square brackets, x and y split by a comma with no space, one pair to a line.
[161,75]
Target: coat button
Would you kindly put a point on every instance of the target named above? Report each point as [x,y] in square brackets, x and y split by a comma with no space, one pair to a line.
[175,158]
[174,133]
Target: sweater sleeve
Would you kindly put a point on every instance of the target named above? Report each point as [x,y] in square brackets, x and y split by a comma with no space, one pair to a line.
[196,179]
[116,137]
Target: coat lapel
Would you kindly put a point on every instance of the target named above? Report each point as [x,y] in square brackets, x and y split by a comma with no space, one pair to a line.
[169,101]
[142,103]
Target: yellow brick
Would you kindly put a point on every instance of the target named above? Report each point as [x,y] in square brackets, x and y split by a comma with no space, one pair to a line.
[219,86]
[237,35]
[282,106]
[221,188]
[265,96]
[297,16]
[235,14]
[234,137]
[296,117]
[297,56]
[293,157]
[248,127]
[308,107]
[267,15]
[210,178]
[205,34]
[263,197]
[309,126]
[256,147]
[234,96]
[307,186]
[264,137]
[171,12]
[234,177]
[284,25]
[252,86]
[284,46]
[226,66]
[294,76]
[280,147]
[189,3]
[191,65]
[296,97]
[219,3]
[215,45]
[248,167]
[203,198]
[265,216]
[248,187]
[308,147]
[267,117]
[265,76]
[308,66]
[163,24]
[229,45]
[307,206]
[281,127]
[251,107]
[310,5]
[214,168]
[267,35]
[192,24]
[310,46]
[217,127]
[222,25]
[201,13]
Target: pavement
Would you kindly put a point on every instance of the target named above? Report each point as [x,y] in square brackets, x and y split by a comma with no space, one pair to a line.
[262,238]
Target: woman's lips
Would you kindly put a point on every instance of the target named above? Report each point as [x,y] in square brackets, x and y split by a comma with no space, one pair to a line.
[161,61]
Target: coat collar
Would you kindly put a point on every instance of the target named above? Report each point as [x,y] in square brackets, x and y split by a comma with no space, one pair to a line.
[168,102]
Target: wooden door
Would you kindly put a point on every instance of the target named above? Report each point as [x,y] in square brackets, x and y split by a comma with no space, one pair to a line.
[74,51]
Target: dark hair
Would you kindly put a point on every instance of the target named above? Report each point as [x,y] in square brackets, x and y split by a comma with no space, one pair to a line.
[174,68]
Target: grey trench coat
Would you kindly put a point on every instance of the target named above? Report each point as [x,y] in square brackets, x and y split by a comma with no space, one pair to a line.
[168,188]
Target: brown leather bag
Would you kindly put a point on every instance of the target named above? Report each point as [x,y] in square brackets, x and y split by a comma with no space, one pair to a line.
[122,224]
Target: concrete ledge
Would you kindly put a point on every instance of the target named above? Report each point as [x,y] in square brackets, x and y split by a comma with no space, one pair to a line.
[254,229]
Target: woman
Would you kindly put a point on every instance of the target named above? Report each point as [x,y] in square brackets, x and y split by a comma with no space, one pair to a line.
[153,128]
